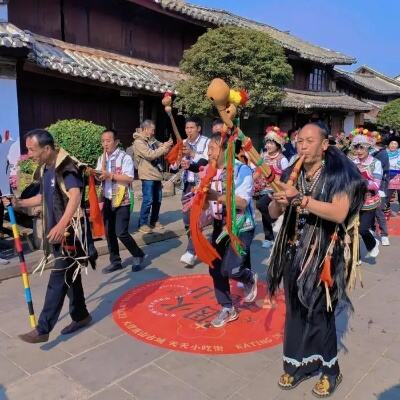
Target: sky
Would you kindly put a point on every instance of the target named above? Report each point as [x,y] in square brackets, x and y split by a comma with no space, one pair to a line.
[368,30]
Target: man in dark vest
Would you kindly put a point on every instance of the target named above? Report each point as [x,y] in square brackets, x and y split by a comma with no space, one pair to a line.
[61,186]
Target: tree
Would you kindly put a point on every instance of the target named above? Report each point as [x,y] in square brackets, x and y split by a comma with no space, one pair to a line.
[390,115]
[245,58]
[82,139]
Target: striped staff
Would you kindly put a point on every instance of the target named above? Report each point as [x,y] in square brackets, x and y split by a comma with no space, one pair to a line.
[24,270]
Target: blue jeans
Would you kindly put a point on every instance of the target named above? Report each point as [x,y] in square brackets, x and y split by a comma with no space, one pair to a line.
[152,195]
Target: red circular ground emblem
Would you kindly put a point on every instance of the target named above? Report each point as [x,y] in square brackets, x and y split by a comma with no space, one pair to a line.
[175,313]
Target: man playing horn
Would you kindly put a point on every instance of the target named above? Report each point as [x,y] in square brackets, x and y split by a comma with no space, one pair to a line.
[195,148]
[313,257]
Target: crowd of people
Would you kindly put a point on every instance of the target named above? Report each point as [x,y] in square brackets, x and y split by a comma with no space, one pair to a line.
[342,179]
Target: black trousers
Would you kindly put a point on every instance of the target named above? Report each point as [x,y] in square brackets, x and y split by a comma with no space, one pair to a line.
[116,223]
[61,285]
[367,218]
[231,265]
[310,342]
[262,205]
[380,218]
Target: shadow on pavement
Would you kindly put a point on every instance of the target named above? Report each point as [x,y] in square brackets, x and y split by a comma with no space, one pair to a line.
[3,395]
[125,279]
[391,394]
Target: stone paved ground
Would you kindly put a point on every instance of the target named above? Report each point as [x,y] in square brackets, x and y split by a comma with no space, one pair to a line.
[102,362]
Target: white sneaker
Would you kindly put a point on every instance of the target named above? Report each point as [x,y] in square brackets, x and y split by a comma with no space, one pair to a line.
[251,290]
[385,241]
[226,315]
[374,252]
[188,258]
[267,244]
[4,261]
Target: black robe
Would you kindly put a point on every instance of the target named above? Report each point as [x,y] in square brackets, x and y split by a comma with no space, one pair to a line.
[310,332]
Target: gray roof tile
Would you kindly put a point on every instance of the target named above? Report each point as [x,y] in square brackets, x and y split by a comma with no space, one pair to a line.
[13,37]
[322,100]
[374,82]
[217,17]
[103,66]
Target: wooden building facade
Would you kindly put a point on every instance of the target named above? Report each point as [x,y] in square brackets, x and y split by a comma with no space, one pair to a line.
[370,86]
[109,61]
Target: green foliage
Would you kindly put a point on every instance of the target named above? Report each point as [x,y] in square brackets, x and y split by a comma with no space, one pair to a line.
[245,58]
[27,166]
[390,115]
[82,139]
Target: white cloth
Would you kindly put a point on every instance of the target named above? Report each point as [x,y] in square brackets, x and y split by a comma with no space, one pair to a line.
[284,163]
[243,189]
[200,148]
[123,166]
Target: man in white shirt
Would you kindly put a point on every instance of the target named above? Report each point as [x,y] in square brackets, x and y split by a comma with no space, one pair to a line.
[195,148]
[115,170]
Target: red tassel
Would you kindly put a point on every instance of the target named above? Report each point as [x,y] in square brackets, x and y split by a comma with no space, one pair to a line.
[326,275]
[175,154]
[203,248]
[95,214]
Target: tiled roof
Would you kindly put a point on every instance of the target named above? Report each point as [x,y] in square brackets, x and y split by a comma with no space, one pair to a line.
[102,66]
[373,82]
[13,37]
[215,17]
[322,100]
[375,103]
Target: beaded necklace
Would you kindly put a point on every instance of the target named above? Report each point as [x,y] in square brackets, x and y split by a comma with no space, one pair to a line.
[307,187]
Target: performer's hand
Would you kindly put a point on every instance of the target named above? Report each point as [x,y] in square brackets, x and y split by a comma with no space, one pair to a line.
[56,234]
[105,176]
[7,201]
[169,143]
[187,152]
[285,196]
[185,163]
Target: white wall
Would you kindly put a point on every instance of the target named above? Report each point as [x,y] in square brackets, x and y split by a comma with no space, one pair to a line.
[349,123]
[9,115]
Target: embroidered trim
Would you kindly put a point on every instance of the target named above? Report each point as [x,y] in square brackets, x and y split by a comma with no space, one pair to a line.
[307,360]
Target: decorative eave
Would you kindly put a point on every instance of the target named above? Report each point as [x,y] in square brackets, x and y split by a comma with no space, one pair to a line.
[216,17]
[106,67]
[304,100]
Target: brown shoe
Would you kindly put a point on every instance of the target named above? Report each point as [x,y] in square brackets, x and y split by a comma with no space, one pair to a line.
[34,337]
[75,326]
